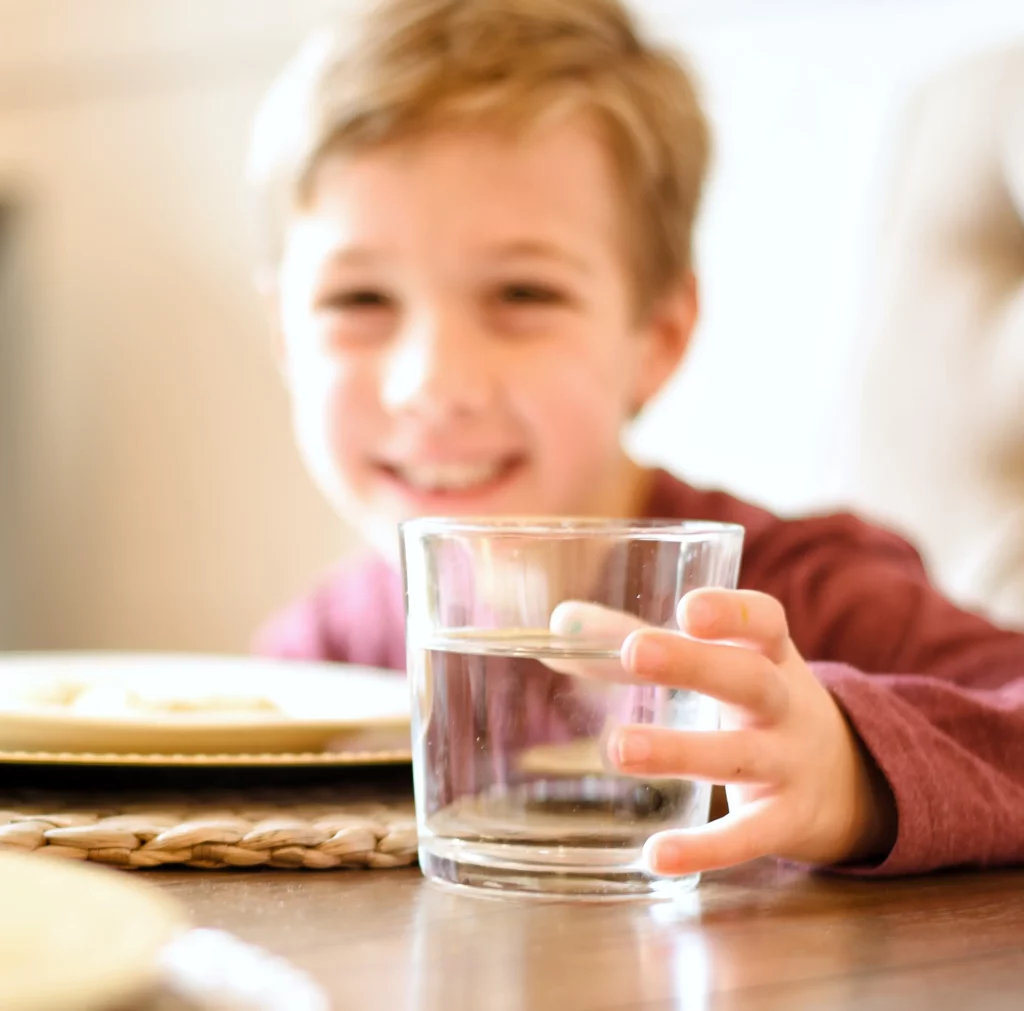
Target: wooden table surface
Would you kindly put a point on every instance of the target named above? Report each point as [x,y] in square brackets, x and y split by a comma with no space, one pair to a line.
[759,937]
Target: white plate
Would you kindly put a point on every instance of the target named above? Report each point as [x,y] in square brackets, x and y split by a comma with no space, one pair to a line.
[123,703]
[78,938]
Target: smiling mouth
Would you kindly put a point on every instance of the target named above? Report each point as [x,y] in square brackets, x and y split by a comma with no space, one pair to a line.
[452,479]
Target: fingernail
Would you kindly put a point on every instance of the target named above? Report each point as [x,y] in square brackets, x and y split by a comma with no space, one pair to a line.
[632,749]
[698,612]
[644,655]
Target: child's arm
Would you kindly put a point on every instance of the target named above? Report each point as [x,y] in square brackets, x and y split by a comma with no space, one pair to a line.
[932,773]
[356,616]
[301,631]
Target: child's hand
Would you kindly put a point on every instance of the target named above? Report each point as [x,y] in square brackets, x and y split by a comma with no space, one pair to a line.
[799,784]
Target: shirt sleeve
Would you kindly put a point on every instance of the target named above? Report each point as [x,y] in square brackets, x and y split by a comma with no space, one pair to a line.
[356,616]
[935,693]
[302,631]
[954,760]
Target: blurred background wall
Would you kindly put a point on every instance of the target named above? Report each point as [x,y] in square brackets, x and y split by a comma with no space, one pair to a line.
[149,493]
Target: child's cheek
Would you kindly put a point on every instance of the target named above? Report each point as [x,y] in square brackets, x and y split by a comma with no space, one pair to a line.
[585,408]
[330,413]
[350,414]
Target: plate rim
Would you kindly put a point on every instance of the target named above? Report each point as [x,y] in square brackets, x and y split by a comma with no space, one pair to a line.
[294,759]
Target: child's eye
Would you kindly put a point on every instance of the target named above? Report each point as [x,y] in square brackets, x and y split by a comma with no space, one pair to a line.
[354,317]
[530,294]
[356,299]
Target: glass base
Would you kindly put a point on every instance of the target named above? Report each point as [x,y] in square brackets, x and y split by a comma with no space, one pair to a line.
[546,872]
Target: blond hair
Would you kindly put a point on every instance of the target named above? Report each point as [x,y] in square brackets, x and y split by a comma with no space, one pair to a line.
[409,66]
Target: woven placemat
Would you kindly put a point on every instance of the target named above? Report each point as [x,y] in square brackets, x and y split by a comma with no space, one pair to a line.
[313,829]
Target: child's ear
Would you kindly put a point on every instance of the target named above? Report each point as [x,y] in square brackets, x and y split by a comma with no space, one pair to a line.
[667,338]
[264,282]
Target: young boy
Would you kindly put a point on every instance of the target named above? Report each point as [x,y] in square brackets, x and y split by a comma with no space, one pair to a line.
[482,272]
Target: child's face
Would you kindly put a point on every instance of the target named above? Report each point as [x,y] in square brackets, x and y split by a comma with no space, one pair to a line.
[460,332]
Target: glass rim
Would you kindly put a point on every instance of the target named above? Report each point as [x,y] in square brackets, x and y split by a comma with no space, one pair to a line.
[560,527]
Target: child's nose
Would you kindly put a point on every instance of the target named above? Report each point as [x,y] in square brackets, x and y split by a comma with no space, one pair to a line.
[437,370]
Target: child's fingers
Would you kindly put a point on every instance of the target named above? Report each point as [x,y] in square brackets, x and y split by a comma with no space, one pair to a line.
[727,756]
[738,677]
[742,616]
[758,829]
[593,623]
[598,630]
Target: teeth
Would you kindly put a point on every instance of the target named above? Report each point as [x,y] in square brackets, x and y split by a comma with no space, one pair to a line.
[449,476]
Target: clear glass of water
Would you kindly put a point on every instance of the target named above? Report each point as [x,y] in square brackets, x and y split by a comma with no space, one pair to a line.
[514,630]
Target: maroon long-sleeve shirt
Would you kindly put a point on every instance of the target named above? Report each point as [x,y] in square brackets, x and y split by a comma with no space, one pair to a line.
[935,693]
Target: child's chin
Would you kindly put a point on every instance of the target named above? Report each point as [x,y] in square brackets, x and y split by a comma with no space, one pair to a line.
[459,505]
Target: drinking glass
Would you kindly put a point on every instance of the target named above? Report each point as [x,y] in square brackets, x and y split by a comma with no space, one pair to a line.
[514,633]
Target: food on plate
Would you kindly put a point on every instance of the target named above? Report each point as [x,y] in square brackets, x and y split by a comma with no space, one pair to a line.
[112,699]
